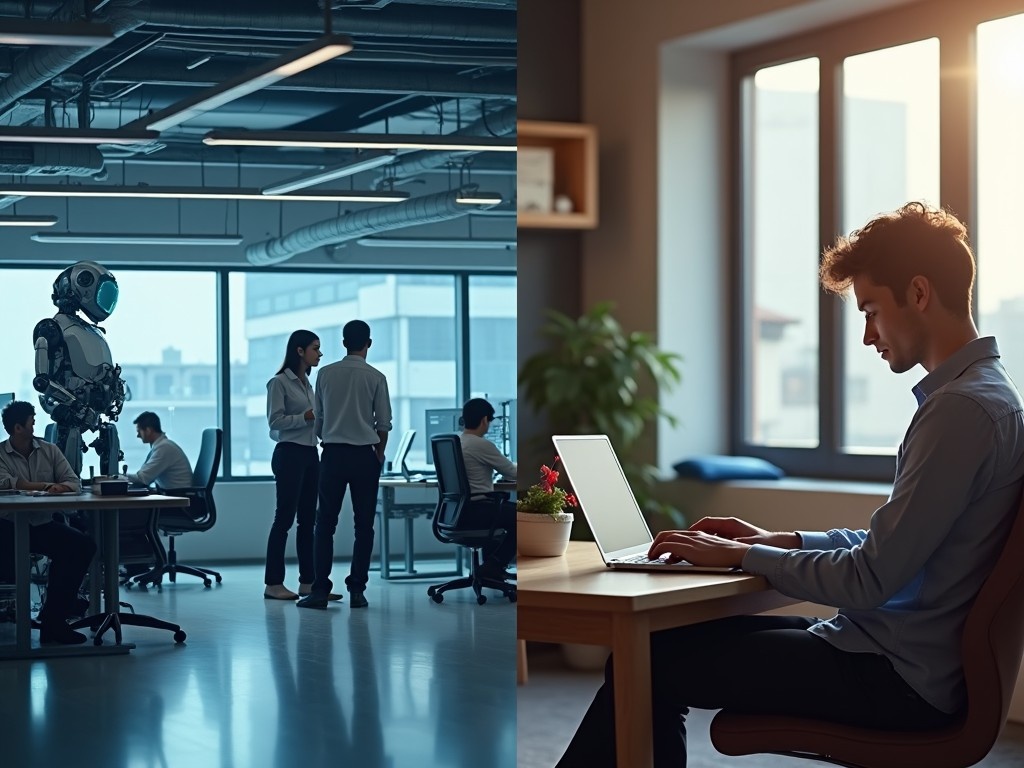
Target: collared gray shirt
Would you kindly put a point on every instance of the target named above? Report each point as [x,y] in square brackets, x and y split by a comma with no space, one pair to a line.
[482,459]
[905,585]
[288,399]
[45,464]
[166,465]
[351,403]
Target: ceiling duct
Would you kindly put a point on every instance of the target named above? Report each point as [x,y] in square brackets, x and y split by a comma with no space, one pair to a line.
[421,210]
[49,159]
[500,123]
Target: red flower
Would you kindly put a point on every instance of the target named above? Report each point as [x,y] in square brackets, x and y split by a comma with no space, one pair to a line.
[570,500]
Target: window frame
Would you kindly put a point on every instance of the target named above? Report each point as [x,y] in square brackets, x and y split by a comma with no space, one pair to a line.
[954,25]
[222,385]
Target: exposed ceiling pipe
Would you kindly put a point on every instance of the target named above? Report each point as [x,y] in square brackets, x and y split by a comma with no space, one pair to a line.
[500,123]
[420,210]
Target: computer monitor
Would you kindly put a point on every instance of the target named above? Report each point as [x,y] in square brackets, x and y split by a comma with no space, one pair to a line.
[5,398]
[398,464]
[438,422]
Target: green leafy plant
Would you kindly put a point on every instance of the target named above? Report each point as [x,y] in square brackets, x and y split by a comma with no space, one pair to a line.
[545,497]
[590,381]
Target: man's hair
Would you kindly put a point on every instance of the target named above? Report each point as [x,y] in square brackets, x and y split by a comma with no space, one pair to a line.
[893,248]
[17,412]
[355,335]
[474,411]
[148,420]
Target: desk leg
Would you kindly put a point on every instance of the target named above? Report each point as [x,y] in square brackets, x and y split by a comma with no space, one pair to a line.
[631,644]
[111,588]
[387,500]
[22,585]
[408,546]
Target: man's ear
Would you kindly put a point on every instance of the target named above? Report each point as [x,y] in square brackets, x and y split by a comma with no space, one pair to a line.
[919,292]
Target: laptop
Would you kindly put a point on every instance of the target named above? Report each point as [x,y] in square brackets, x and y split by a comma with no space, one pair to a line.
[611,509]
[399,466]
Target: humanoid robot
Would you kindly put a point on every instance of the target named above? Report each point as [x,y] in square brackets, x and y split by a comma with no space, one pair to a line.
[78,383]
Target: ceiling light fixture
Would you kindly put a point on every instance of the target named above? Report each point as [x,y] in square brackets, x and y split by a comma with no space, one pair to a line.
[438,242]
[329,174]
[195,193]
[27,221]
[447,142]
[100,238]
[472,197]
[36,32]
[304,57]
[48,135]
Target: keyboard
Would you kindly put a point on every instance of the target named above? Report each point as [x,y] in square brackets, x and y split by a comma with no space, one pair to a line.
[640,560]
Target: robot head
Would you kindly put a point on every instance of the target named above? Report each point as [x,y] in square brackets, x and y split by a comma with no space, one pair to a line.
[86,286]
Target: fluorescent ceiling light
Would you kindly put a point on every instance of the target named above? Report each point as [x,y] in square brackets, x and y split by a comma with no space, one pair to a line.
[478,198]
[329,174]
[448,142]
[37,32]
[438,242]
[43,135]
[194,193]
[100,238]
[27,221]
[302,58]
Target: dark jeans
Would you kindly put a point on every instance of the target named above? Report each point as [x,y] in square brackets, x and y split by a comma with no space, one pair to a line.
[755,664]
[70,553]
[481,515]
[297,471]
[343,467]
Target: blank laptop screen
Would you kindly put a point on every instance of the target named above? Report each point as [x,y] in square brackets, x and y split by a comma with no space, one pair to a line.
[602,490]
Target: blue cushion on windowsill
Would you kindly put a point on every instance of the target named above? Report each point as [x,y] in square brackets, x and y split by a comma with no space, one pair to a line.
[717,468]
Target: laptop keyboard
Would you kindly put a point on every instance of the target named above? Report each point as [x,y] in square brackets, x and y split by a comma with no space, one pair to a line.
[641,560]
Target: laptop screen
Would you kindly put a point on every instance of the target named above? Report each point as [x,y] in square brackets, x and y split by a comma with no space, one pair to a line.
[604,495]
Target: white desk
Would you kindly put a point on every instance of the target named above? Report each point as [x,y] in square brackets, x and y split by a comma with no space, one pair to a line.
[423,505]
[106,508]
[576,599]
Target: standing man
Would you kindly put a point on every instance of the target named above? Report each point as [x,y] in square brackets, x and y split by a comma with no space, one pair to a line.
[482,459]
[891,656]
[352,415]
[166,465]
[28,464]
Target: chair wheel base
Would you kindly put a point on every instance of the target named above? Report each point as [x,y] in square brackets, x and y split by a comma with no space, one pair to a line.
[179,636]
[437,597]
[481,599]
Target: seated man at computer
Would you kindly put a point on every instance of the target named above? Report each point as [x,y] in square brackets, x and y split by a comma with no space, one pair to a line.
[29,464]
[166,465]
[483,459]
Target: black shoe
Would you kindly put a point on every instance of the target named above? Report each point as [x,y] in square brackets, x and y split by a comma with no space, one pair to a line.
[313,600]
[61,634]
[358,600]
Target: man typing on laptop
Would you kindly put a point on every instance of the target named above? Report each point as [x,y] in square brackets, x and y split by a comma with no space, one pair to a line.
[890,658]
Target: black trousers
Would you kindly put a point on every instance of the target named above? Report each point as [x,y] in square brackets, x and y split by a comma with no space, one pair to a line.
[70,552]
[481,515]
[344,467]
[297,472]
[755,664]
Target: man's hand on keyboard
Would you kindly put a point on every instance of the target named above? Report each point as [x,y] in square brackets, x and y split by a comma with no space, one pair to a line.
[742,531]
[698,548]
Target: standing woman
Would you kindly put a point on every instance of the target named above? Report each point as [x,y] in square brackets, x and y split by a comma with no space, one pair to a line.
[296,463]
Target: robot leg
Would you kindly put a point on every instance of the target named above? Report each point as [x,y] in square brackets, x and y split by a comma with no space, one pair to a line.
[108,446]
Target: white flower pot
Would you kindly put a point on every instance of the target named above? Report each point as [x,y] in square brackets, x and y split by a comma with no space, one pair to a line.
[543,535]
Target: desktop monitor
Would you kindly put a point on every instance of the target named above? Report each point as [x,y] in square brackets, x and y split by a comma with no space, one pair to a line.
[398,464]
[440,421]
[5,398]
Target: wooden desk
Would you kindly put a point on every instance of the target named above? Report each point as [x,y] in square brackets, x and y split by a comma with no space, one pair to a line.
[106,507]
[390,509]
[576,599]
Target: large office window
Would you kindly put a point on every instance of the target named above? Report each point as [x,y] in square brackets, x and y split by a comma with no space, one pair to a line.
[894,97]
[166,334]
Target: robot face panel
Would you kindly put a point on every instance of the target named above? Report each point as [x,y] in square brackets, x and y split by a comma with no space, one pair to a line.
[86,286]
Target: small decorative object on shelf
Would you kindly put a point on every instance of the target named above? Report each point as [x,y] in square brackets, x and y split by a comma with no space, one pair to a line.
[563,204]
[542,524]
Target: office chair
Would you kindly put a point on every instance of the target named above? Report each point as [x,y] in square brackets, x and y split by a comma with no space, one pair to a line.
[453,495]
[200,515]
[993,642]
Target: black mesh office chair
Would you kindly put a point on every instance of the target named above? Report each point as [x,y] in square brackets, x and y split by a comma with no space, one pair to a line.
[200,515]
[453,494]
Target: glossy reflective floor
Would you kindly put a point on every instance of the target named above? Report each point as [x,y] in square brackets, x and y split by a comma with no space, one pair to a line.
[263,683]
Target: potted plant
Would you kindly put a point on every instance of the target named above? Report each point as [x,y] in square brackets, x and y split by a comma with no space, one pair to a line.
[591,380]
[542,523]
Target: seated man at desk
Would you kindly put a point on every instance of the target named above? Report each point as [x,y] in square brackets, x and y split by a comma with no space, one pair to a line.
[166,465]
[29,464]
[483,459]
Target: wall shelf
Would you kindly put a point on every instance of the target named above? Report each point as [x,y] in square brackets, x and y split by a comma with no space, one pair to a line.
[575,172]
